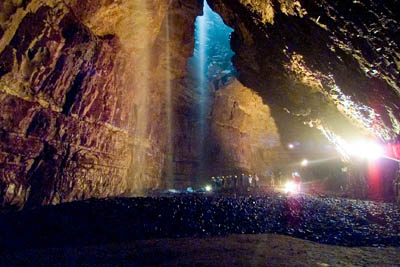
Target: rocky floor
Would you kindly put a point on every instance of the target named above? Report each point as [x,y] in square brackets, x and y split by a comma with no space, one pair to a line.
[333,221]
[233,250]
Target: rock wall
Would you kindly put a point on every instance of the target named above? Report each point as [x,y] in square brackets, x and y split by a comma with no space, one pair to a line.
[331,65]
[82,101]
[178,98]
[96,101]
[240,137]
[243,136]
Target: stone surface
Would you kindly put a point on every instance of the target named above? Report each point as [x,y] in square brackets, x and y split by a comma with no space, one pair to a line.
[63,130]
[82,98]
[343,56]
[326,64]
[246,250]
[243,135]
[96,99]
[239,136]
[225,129]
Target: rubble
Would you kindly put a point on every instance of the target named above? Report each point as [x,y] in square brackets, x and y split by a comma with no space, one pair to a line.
[327,220]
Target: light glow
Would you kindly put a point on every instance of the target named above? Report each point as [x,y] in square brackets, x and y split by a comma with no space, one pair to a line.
[364,149]
[291,187]
[208,188]
[304,163]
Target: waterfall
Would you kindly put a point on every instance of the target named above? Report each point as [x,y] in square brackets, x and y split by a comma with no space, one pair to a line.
[211,60]
[169,108]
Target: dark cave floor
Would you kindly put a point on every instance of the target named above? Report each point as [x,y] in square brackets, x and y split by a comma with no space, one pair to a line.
[233,250]
[275,229]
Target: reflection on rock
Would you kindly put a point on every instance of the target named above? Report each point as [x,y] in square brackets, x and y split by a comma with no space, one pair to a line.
[330,65]
[243,136]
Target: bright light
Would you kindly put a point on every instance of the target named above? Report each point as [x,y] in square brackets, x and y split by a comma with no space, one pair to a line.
[291,187]
[208,188]
[304,162]
[365,149]
[290,146]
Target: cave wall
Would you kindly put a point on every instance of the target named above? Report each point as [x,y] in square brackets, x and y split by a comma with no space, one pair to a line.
[330,65]
[240,136]
[82,97]
[224,128]
[95,98]
[333,65]
[243,136]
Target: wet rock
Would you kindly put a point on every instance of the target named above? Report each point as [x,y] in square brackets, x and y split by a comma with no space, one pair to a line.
[194,215]
[72,79]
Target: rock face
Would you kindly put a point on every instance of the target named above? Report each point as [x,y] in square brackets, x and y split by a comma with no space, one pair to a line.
[243,135]
[240,136]
[96,99]
[328,64]
[221,127]
[319,58]
[81,98]
[60,137]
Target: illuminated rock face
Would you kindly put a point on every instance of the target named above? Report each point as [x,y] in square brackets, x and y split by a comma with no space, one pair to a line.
[240,137]
[243,135]
[82,98]
[225,129]
[332,65]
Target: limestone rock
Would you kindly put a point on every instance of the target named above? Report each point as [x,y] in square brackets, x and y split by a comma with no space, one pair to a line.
[76,118]
[331,65]
[244,136]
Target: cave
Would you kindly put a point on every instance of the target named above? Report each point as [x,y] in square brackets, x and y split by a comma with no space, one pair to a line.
[138,99]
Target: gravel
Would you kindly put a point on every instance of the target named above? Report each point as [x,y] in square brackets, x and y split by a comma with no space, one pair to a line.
[326,220]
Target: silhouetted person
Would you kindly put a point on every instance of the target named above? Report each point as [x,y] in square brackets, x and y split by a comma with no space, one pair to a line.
[396,184]
[242,180]
[256,181]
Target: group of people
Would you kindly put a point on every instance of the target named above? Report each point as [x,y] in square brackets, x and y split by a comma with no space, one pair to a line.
[242,181]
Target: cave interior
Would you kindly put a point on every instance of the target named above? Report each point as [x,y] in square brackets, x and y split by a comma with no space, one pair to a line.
[123,98]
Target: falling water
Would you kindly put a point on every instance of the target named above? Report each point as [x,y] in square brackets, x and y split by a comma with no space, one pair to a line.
[211,60]
[168,107]
[202,86]
[138,176]
[201,27]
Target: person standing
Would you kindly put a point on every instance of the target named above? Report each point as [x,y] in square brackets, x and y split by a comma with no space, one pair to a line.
[256,180]
[396,187]
[242,180]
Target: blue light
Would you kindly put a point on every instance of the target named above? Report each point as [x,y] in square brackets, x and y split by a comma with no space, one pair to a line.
[212,54]
[211,61]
